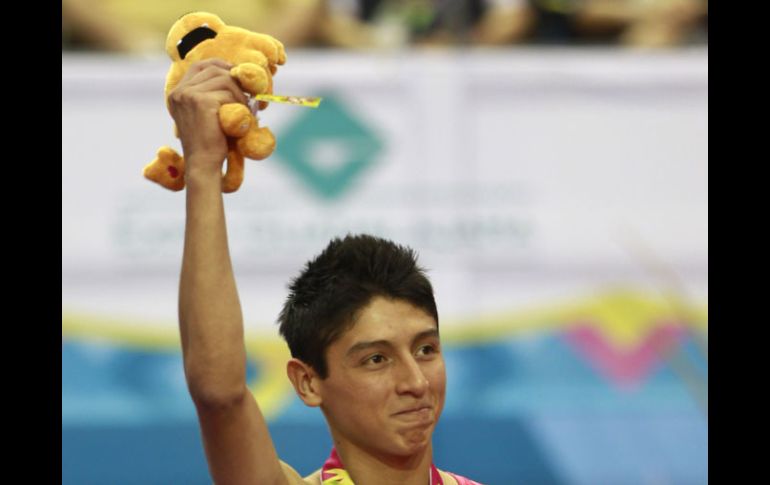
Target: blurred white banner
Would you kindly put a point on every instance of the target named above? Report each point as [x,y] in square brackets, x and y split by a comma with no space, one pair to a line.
[500,167]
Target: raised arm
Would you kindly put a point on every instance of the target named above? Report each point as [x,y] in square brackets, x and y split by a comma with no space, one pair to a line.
[236,439]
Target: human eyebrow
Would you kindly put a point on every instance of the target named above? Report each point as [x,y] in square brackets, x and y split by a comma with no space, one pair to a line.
[432,333]
[368,345]
[365,345]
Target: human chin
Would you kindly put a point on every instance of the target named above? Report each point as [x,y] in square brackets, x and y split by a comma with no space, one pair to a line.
[414,430]
[413,440]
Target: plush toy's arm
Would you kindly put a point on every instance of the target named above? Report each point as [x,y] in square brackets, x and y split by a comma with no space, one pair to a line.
[253,78]
[271,47]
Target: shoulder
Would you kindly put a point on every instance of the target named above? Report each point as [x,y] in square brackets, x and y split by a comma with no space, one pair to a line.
[447,477]
[450,478]
[295,478]
[314,478]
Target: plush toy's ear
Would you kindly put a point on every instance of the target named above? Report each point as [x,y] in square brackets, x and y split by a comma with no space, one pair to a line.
[190,30]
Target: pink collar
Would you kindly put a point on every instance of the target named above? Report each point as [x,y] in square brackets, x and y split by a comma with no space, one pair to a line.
[334,473]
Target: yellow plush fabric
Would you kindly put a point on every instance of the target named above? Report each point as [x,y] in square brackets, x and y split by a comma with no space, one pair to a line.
[255,57]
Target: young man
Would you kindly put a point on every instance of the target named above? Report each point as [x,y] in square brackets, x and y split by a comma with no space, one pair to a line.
[361,323]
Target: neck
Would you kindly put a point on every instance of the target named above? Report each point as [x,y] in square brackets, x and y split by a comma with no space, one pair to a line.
[385,469]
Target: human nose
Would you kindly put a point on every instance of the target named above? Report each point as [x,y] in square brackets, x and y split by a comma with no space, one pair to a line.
[411,379]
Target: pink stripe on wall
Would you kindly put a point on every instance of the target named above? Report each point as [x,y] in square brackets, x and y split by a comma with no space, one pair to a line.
[625,367]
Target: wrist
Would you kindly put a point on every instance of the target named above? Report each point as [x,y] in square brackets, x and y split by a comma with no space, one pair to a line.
[203,163]
[203,177]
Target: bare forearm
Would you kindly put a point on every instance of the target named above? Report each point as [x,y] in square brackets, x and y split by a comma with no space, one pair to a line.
[236,438]
[92,22]
[296,23]
[611,11]
[503,26]
[211,323]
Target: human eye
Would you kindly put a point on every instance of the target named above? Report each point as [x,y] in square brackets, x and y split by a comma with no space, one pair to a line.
[427,349]
[374,360]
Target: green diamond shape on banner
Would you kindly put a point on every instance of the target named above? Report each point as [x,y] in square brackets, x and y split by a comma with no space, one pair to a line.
[328,148]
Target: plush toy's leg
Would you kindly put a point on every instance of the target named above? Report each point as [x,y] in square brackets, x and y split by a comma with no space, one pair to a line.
[233,177]
[235,119]
[167,169]
[258,143]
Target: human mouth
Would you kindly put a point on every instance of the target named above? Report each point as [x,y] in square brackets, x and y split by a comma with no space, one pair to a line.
[418,412]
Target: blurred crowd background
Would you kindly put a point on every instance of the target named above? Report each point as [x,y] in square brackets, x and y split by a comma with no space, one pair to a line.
[141,25]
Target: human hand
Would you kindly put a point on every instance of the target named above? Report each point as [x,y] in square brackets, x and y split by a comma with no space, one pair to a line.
[194,105]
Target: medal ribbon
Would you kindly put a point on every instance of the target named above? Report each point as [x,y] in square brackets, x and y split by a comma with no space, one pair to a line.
[334,473]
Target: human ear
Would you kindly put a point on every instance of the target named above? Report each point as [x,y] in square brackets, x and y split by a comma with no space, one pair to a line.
[305,381]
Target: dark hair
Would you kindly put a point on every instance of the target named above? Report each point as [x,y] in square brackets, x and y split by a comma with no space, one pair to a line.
[325,298]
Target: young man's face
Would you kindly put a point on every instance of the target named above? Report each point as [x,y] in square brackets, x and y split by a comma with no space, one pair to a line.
[386,383]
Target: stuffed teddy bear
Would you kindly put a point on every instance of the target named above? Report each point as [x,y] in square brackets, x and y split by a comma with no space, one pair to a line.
[255,57]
